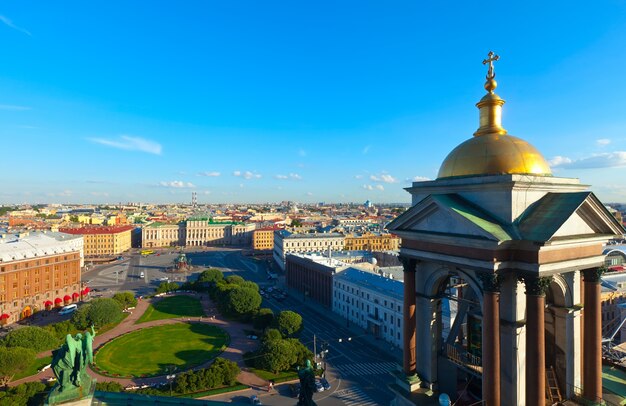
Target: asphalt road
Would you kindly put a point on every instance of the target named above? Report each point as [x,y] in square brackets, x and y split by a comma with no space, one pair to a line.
[357,370]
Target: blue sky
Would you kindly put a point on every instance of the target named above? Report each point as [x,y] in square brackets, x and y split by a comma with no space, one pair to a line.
[246,101]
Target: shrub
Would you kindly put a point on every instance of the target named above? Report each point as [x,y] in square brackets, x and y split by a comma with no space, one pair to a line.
[109,386]
[165,287]
[29,393]
[61,329]
[125,299]
[235,280]
[14,360]
[98,313]
[36,338]
[211,275]
[288,323]
[263,319]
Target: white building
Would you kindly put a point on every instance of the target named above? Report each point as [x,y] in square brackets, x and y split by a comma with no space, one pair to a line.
[287,243]
[207,231]
[371,301]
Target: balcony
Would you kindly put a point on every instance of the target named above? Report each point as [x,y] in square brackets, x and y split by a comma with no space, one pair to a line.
[464,359]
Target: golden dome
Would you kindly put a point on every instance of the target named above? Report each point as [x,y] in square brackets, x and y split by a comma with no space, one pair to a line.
[492,151]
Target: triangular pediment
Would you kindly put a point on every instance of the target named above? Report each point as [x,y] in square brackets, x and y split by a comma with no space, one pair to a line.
[449,214]
[567,215]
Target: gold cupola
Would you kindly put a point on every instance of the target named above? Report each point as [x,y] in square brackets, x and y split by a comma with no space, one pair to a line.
[491,151]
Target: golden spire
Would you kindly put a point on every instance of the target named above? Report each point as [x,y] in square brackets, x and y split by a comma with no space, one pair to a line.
[490,106]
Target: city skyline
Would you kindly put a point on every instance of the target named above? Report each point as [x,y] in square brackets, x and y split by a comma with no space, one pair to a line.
[116,102]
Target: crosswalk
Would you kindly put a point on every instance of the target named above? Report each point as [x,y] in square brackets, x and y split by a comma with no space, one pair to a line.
[354,396]
[365,368]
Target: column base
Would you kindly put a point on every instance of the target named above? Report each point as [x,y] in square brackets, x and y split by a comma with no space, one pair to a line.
[408,383]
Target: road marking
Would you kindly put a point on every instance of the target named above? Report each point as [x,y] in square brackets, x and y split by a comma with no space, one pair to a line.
[354,396]
[365,368]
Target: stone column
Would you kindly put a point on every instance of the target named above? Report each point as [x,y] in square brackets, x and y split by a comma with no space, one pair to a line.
[592,331]
[491,338]
[536,288]
[409,360]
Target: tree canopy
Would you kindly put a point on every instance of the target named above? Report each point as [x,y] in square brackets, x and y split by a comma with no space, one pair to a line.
[36,338]
[98,313]
[14,360]
[288,323]
[125,299]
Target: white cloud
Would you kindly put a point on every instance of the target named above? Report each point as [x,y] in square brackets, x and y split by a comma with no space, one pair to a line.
[10,24]
[605,160]
[206,192]
[65,193]
[103,194]
[128,143]
[247,175]
[301,152]
[209,174]
[380,187]
[309,193]
[416,179]
[386,178]
[292,176]
[358,176]
[603,142]
[10,107]
[177,184]
[368,187]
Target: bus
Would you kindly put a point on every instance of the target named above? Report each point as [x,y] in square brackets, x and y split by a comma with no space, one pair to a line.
[146,252]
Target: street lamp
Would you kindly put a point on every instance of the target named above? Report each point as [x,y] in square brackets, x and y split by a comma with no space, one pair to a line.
[170,377]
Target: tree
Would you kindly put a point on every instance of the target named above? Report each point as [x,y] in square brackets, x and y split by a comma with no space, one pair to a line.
[125,299]
[24,394]
[301,352]
[36,338]
[211,275]
[278,355]
[98,313]
[263,319]
[165,287]
[14,360]
[61,329]
[250,284]
[272,334]
[289,323]
[296,223]
[235,280]
[242,301]
[225,370]
[109,386]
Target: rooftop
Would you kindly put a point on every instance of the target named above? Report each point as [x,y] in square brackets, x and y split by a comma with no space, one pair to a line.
[96,230]
[368,280]
[287,234]
[17,247]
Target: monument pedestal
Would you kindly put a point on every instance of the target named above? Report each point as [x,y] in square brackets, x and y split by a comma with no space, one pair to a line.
[73,396]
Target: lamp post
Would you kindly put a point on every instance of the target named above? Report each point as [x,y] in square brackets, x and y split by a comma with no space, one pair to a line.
[170,377]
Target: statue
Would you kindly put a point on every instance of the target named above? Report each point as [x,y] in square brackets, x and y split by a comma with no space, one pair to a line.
[69,363]
[307,385]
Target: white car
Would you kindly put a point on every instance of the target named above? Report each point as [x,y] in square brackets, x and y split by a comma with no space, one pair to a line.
[68,309]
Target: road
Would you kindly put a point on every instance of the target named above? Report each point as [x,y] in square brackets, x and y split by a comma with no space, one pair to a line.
[357,370]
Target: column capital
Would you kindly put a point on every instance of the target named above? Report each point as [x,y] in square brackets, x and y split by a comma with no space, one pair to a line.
[409,264]
[593,275]
[536,285]
[491,281]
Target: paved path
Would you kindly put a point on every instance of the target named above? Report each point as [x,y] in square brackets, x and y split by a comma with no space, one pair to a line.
[239,344]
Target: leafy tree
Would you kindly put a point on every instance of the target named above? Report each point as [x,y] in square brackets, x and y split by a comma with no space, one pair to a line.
[235,280]
[296,223]
[109,386]
[263,319]
[211,275]
[250,284]
[61,329]
[165,287]
[36,338]
[272,334]
[14,360]
[98,313]
[278,355]
[301,352]
[226,370]
[243,301]
[288,323]
[125,299]
[25,394]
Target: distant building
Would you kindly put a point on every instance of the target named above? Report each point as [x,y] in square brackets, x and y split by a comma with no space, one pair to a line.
[372,242]
[371,301]
[312,275]
[263,238]
[286,242]
[162,235]
[103,240]
[37,271]
[203,231]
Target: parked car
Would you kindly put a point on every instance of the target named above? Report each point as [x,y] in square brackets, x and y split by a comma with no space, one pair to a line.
[68,309]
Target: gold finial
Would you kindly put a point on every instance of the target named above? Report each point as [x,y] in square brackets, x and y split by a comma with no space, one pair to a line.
[491,83]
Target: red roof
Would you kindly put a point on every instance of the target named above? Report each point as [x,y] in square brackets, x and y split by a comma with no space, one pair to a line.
[4,316]
[270,228]
[57,300]
[96,230]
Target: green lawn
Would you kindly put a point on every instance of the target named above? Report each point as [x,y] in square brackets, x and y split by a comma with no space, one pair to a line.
[172,306]
[34,367]
[151,350]
[270,376]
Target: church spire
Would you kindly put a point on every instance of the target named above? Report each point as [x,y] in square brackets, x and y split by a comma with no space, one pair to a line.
[490,106]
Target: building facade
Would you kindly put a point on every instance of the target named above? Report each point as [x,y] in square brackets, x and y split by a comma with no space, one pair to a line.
[312,275]
[203,231]
[102,241]
[372,242]
[286,242]
[371,301]
[162,235]
[38,271]
[263,238]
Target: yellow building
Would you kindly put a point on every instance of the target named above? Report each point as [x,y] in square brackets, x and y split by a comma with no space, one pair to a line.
[103,241]
[372,242]
[263,238]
